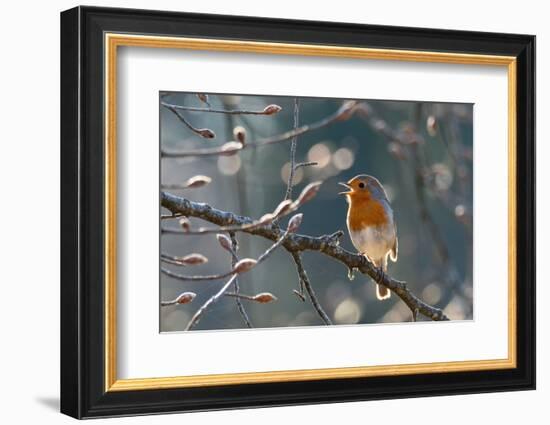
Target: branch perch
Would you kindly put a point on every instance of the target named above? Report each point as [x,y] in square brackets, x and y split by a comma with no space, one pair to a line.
[296,243]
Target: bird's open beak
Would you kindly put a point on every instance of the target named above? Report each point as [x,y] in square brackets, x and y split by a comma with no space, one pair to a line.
[347,186]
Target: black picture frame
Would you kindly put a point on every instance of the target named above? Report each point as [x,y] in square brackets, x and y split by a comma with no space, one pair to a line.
[83,392]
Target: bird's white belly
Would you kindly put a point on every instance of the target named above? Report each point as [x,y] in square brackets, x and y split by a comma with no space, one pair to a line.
[374,241]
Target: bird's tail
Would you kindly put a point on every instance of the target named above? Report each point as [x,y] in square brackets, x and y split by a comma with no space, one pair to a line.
[383,293]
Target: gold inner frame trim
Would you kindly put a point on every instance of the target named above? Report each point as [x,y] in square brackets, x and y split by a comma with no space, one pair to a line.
[113,41]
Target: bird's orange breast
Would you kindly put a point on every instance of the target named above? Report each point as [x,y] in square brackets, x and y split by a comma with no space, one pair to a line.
[364,212]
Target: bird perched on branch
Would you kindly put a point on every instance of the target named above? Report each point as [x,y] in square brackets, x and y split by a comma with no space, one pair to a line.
[371,224]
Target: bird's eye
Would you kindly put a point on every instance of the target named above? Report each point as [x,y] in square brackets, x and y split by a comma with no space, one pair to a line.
[361,185]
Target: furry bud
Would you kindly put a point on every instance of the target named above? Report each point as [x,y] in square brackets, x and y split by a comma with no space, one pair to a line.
[224,241]
[231,148]
[185,224]
[185,298]
[294,223]
[244,265]
[264,297]
[267,218]
[196,182]
[347,110]
[194,259]
[431,125]
[239,133]
[206,133]
[309,192]
[272,109]
[203,97]
[282,208]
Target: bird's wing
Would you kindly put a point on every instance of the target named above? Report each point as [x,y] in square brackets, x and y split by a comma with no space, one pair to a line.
[395,247]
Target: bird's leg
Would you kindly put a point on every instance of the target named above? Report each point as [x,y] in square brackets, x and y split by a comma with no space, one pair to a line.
[364,254]
[351,270]
[379,273]
[379,269]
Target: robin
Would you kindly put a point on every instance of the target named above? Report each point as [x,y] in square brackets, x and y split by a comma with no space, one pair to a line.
[370,223]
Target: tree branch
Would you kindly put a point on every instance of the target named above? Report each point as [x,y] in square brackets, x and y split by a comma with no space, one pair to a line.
[327,244]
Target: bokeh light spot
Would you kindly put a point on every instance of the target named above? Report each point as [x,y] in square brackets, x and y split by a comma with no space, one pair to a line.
[442,176]
[319,153]
[343,158]
[432,293]
[285,173]
[230,100]
[348,312]
[229,165]
[455,309]
[460,210]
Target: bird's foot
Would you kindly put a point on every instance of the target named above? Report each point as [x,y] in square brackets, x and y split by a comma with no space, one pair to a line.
[379,273]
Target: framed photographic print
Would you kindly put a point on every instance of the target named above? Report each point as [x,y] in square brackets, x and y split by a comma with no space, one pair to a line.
[263,212]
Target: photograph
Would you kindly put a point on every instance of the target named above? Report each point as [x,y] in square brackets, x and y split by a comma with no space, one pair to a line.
[284,212]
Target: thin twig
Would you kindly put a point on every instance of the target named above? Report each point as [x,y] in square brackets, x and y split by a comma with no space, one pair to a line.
[293,144]
[197,316]
[180,261]
[168,216]
[234,259]
[171,261]
[174,186]
[253,298]
[239,296]
[217,111]
[309,288]
[425,214]
[195,278]
[203,132]
[305,164]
